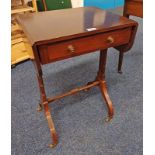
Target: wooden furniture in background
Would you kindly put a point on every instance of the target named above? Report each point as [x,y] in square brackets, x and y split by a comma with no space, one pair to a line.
[20,46]
[75,32]
[134,8]
[22,7]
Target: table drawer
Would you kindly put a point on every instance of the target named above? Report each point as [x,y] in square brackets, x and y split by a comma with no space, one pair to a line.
[66,49]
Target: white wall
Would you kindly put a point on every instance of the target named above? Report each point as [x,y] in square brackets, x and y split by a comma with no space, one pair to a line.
[77,3]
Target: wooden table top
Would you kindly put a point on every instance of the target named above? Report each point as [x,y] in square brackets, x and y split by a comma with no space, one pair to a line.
[65,24]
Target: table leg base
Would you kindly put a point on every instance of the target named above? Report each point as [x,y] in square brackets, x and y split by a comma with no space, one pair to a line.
[107,99]
[120,72]
[108,119]
[52,145]
[51,126]
[104,92]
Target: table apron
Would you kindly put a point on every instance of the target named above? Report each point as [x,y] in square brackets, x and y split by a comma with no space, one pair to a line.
[70,48]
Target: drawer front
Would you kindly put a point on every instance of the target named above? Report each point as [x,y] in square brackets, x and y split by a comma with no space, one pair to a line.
[74,47]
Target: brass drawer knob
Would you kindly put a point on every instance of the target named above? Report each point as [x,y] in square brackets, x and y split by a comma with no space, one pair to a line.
[71,48]
[110,39]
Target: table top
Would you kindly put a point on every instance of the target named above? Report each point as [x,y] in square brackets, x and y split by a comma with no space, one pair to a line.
[65,24]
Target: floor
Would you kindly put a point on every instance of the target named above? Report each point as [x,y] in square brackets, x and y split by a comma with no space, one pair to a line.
[80,119]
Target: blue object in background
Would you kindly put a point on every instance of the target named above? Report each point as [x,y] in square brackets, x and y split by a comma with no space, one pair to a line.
[119,3]
[104,4]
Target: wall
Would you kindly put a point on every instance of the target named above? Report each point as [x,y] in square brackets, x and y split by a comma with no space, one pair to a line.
[104,4]
[77,3]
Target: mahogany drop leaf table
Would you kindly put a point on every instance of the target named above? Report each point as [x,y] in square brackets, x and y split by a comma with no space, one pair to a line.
[61,34]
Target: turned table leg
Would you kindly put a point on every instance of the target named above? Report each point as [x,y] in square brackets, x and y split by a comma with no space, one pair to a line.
[54,135]
[44,105]
[120,62]
[121,54]
[102,83]
[107,99]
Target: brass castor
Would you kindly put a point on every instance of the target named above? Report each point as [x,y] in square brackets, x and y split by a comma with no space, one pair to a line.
[39,108]
[108,119]
[120,72]
[52,145]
